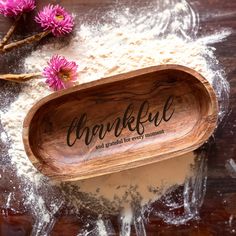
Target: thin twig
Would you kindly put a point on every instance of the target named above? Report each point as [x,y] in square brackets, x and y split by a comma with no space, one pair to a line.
[19,77]
[10,31]
[28,40]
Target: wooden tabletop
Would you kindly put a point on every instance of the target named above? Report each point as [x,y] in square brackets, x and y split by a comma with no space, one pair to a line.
[218,213]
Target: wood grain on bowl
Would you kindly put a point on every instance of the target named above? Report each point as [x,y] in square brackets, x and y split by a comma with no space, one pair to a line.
[120,122]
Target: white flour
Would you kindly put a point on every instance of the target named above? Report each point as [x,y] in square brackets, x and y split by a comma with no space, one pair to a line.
[155,35]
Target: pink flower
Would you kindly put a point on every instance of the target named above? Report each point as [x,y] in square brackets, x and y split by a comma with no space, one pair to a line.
[15,7]
[60,73]
[55,19]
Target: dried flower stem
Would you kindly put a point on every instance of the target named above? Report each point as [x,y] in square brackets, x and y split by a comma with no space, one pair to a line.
[10,32]
[19,77]
[28,40]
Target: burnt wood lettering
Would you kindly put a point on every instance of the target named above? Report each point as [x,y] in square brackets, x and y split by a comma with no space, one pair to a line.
[78,129]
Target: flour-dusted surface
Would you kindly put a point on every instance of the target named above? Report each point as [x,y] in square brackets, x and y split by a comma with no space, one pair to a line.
[156,34]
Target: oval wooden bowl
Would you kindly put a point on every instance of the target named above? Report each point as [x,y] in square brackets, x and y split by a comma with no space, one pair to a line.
[120,122]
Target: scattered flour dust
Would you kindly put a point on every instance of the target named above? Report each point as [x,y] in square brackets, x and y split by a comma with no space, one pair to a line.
[155,35]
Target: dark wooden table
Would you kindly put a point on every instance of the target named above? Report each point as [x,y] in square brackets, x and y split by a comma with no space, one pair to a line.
[218,213]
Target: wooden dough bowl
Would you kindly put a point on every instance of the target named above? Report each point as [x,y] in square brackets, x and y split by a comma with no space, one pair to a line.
[120,122]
